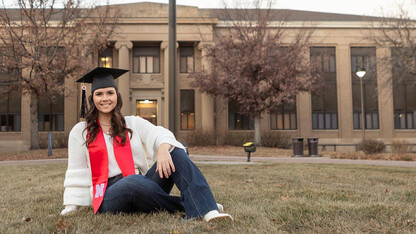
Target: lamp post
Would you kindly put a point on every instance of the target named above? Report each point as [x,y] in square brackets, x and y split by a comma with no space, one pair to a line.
[172,66]
[361,73]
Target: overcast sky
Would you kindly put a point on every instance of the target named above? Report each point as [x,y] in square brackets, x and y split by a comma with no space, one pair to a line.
[357,7]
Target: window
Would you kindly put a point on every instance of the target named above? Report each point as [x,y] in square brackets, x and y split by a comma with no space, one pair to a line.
[187,109]
[187,63]
[51,113]
[324,103]
[105,58]
[404,99]
[10,111]
[10,101]
[324,57]
[146,59]
[284,118]
[237,121]
[364,57]
[4,69]
[404,95]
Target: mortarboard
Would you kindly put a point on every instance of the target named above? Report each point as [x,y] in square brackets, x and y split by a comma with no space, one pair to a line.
[99,77]
[102,77]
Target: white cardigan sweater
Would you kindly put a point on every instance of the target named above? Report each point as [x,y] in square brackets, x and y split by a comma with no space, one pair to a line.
[78,181]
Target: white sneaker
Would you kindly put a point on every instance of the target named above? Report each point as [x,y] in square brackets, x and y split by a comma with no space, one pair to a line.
[220,207]
[214,215]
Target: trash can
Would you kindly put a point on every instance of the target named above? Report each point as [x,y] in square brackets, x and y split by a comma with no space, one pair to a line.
[313,147]
[297,144]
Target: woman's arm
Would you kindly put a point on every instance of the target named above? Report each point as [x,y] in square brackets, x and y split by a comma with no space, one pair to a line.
[78,175]
[153,136]
[159,142]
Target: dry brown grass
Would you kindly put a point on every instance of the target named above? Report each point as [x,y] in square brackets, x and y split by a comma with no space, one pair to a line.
[380,156]
[33,154]
[275,152]
[228,150]
[203,150]
[263,198]
[225,151]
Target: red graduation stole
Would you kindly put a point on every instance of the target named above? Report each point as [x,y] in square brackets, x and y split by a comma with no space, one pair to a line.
[99,164]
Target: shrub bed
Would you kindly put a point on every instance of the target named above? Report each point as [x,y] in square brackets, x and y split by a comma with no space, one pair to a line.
[372,146]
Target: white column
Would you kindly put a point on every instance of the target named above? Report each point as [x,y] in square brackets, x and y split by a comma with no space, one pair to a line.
[207,102]
[165,93]
[123,48]
[304,108]
[385,94]
[344,87]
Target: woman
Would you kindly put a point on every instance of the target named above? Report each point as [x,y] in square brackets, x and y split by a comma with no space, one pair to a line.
[105,150]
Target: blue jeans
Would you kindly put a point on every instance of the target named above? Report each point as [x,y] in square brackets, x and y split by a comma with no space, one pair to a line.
[150,193]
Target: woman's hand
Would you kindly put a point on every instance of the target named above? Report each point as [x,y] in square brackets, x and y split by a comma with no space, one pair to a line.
[164,161]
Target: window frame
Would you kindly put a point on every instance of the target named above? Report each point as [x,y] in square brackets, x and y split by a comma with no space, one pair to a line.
[187,114]
[404,81]
[248,120]
[17,117]
[137,55]
[274,117]
[329,118]
[369,62]
[183,47]
[405,118]
[106,53]
[54,117]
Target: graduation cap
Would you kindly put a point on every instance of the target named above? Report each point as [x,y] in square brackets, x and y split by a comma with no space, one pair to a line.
[99,77]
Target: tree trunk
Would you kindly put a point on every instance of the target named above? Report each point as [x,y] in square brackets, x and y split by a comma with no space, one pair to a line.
[257,131]
[34,133]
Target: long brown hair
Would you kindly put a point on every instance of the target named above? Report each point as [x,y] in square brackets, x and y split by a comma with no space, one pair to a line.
[118,123]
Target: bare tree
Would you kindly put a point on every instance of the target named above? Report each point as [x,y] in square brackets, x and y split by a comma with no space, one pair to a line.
[258,62]
[41,46]
[398,34]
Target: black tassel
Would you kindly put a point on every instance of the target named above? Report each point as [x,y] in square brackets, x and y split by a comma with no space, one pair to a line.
[83,103]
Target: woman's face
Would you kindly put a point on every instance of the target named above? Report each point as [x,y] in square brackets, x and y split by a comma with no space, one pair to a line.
[105,99]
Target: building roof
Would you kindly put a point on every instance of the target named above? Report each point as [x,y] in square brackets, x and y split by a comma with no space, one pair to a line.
[15,14]
[132,10]
[289,15]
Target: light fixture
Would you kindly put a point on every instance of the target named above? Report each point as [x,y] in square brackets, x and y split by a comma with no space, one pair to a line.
[146,102]
[361,72]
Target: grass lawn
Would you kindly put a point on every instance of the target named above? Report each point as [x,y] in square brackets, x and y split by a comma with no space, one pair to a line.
[226,150]
[263,198]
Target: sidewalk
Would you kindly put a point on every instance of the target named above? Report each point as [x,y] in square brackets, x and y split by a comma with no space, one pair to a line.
[212,159]
[322,160]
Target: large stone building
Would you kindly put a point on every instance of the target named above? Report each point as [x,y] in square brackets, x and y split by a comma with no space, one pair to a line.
[140,44]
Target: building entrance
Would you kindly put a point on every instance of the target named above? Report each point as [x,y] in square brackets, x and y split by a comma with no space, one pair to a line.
[147,109]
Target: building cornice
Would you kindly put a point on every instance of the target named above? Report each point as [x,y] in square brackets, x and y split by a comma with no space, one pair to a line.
[164,20]
[316,24]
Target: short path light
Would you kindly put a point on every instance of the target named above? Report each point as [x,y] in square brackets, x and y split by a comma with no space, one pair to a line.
[249,147]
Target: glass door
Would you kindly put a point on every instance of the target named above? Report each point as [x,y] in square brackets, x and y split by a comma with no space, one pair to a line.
[147,109]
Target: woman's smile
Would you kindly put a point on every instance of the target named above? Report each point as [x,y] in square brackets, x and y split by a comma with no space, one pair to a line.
[105,99]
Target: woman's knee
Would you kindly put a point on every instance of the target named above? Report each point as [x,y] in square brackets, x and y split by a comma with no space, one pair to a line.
[129,184]
[179,154]
[141,184]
